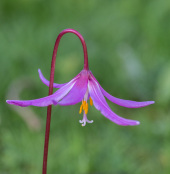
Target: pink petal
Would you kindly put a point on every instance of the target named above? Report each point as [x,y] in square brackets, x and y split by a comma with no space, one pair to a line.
[46,101]
[101,105]
[46,82]
[126,103]
[121,102]
[78,91]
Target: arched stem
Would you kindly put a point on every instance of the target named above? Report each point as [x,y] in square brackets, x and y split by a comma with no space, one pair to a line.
[86,67]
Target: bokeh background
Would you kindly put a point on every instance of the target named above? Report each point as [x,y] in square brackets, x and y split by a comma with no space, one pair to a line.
[128,43]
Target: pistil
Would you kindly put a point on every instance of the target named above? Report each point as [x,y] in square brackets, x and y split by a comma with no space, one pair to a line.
[84,107]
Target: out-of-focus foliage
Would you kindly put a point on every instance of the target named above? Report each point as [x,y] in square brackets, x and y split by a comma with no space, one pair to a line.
[128,44]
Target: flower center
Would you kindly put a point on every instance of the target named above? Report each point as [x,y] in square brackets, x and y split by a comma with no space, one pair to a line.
[84,106]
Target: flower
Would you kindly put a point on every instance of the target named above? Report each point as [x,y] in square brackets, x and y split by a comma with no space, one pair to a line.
[82,88]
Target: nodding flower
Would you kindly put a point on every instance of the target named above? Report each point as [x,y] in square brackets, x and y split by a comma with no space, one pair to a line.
[81,89]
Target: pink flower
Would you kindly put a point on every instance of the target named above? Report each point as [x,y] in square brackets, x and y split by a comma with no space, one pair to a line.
[82,88]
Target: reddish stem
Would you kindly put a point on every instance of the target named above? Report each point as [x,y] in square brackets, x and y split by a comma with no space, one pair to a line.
[86,67]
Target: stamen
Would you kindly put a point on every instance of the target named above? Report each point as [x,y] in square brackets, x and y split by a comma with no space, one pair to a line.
[86,109]
[81,108]
[91,101]
[84,105]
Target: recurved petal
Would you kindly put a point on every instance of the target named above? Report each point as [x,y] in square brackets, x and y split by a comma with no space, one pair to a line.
[121,102]
[46,82]
[101,105]
[41,102]
[46,101]
[77,93]
[126,103]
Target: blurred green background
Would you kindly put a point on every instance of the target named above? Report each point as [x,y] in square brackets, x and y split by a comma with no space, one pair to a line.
[129,47]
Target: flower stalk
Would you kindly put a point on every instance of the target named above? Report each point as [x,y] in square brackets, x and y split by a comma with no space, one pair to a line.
[49,108]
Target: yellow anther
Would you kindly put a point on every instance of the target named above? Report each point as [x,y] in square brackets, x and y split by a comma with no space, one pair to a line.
[84,105]
[81,108]
[91,101]
[86,109]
